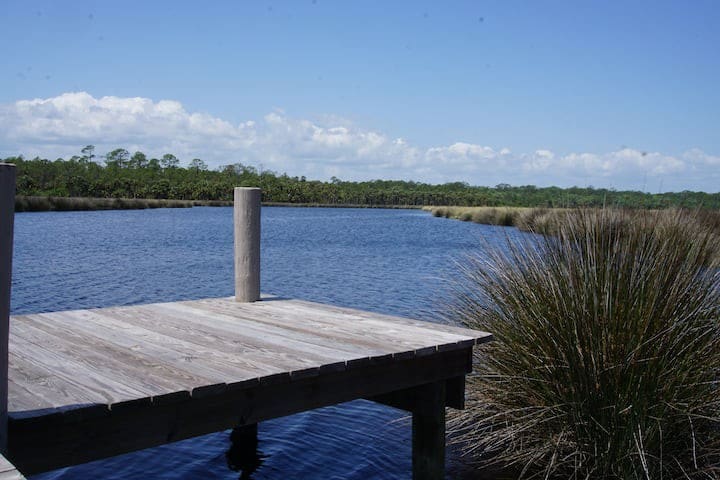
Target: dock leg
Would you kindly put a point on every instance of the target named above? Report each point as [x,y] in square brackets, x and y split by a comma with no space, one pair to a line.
[428,433]
[243,455]
[7,217]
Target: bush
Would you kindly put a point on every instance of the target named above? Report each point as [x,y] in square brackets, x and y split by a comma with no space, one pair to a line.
[607,350]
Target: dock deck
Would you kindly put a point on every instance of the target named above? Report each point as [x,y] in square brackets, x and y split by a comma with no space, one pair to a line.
[87,384]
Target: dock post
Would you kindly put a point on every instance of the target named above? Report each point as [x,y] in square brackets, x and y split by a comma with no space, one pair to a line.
[246,218]
[7,217]
[428,433]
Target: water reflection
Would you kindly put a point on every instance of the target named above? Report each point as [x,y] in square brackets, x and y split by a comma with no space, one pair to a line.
[243,455]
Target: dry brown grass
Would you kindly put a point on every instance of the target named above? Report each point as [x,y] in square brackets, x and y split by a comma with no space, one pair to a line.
[43,204]
[607,349]
[528,219]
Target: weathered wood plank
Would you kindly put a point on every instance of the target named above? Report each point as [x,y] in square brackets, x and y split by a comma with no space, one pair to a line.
[295,323]
[301,320]
[481,337]
[33,386]
[278,328]
[77,441]
[151,376]
[73,371]
[167,349]
[257,345]
[256,355]
[284,325]
[8,470]
[361,322]
[11,475]
[294,332]
[59,395]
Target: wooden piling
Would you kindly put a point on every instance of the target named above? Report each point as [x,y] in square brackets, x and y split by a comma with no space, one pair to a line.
[7,216]
[246,218]
[428,433]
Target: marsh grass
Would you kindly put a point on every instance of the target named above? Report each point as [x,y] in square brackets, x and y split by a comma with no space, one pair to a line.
[528,219]
[607,350]
[43,204]
[546,220]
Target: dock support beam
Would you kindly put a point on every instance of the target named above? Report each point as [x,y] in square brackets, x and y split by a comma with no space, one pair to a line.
[246,218]
[7,217]
[428,433]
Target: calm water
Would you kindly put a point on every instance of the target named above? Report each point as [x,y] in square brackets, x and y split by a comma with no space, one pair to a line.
[391,261]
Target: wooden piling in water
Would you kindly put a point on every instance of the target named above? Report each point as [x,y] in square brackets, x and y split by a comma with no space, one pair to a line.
[428,433]
[7,217]
[246,218]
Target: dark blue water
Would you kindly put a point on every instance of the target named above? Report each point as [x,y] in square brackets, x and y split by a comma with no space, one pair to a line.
[390,261]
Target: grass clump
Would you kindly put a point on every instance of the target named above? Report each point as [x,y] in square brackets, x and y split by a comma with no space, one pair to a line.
[504,216]
[607,350]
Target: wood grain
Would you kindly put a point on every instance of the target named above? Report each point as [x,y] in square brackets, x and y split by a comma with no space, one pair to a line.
[123,355]
[8,470]
[112,380]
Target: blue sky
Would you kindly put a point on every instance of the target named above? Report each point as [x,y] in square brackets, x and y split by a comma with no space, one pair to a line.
[613,94]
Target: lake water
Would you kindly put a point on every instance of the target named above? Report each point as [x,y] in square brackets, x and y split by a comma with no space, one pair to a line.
[391,261]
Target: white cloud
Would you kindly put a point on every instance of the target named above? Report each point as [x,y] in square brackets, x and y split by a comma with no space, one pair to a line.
[699,159]
[60,126]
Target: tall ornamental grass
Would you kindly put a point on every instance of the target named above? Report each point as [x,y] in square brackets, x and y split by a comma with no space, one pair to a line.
[607,351]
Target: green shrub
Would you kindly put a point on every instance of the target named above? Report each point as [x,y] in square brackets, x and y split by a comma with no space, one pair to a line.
[607,350]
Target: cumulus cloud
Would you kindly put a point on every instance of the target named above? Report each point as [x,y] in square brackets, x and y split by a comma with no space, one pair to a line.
[60,126]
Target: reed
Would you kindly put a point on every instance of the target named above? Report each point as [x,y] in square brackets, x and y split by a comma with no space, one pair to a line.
[521,217]
[43,204]
[546,220]
[607,349]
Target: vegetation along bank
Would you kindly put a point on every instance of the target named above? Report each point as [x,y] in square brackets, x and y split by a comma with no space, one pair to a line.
[547,220]
[121,175]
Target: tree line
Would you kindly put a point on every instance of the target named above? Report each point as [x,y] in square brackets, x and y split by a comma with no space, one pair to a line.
[119,174]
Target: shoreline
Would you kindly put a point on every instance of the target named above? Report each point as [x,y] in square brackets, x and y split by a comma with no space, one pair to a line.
[535,219]
[547,220]
[29,203]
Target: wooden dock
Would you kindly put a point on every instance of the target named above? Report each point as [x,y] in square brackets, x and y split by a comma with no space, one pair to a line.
[89,384]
